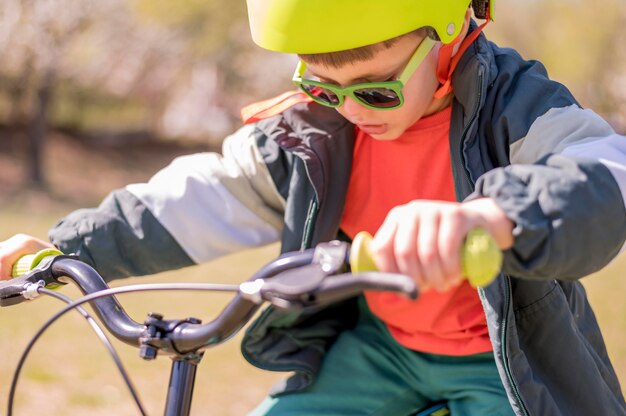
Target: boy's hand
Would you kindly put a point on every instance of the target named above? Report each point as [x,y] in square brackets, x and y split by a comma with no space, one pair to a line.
[423,239]
[14,248]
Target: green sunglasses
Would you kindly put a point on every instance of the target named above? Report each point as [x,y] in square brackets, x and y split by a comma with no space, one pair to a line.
[384,95]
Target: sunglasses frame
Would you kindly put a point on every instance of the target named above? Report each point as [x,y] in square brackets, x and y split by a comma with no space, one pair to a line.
[396,86]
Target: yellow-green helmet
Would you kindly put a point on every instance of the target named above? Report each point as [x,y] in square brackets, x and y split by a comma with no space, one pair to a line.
[318,26]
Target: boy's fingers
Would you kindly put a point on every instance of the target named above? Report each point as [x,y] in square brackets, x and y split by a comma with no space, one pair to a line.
[450,239]
[6,263]
[14,248]
[4,269]
[382,247]
[405,250]
[428,249]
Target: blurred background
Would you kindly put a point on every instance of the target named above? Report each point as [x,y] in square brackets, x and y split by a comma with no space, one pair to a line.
[98,94]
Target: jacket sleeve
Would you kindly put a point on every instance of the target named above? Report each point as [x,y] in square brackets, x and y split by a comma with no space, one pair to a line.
[198,208]
[565,191]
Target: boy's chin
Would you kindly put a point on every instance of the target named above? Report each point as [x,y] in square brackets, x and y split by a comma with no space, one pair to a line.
[387,136]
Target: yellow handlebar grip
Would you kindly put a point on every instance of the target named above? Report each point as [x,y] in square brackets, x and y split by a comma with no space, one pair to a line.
[481,259]
[361,259]
[28,262]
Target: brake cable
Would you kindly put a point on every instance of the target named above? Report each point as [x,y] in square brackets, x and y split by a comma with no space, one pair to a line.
[99,332]
[75,304]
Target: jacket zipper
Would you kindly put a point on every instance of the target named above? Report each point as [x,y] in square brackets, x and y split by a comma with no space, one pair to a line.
[311,215]
[308,224]
[507,367]
[481,293]
[307,233]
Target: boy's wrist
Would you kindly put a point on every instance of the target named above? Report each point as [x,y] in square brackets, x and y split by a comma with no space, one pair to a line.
[494,220]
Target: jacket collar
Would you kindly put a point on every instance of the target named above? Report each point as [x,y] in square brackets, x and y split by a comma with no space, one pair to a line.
[477,61]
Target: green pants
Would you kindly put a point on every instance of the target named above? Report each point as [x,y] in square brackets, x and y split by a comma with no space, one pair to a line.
[366,372]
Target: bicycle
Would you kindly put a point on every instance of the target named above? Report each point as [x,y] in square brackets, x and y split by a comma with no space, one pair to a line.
[280,282]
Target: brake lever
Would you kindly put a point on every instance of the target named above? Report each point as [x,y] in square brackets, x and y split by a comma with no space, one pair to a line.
[288,288]
[333,289]
[346,285]
[290,283]
[11,291]
[22,288]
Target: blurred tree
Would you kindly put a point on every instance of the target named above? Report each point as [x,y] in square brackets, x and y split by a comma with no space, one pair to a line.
[187,63]
[214,80]
[37,37]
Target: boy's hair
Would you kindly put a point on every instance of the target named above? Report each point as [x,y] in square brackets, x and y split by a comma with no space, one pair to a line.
[349,56]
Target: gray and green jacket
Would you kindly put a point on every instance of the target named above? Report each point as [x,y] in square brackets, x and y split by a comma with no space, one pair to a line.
[559,172]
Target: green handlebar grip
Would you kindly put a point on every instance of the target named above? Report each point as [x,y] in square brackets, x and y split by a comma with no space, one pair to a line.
[28,262]
[481,259]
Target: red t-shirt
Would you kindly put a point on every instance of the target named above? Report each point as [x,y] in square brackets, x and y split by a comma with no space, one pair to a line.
[389,173]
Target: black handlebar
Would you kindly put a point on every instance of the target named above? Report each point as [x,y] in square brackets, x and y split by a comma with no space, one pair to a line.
[108,308]
[295,280]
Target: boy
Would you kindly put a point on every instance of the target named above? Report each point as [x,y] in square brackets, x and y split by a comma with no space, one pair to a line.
[424,112]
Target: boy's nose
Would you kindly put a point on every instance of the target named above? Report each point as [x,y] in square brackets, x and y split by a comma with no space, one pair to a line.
[352,107]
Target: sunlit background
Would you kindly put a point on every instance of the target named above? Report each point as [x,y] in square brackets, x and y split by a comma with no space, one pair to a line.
[124,71]
[98,94]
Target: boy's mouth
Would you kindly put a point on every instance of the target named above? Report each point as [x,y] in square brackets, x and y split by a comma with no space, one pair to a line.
[373,129]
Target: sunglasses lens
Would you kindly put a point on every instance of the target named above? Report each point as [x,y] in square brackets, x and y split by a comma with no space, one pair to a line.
[321,94]
[378,97]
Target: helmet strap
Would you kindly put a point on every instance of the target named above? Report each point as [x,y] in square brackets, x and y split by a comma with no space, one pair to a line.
[447,63]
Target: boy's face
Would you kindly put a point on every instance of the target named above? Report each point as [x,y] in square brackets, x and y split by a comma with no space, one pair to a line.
[387,64]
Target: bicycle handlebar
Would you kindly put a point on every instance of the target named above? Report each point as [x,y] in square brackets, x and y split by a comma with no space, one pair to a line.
[293,281]
[277,283]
